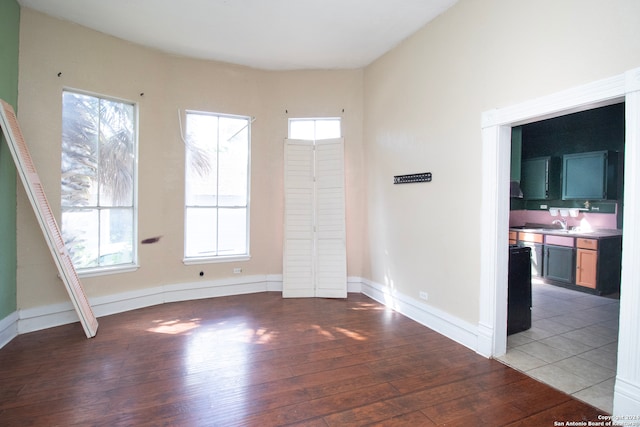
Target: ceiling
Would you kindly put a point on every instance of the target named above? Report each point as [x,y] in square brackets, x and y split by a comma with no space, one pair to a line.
[266,34]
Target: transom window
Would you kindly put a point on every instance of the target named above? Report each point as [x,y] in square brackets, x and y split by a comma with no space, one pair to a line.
[216,187]
[314,128]
[98,185]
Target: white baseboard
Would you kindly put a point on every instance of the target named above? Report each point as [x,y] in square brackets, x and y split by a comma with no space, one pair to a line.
[626,401]
[354,285]
[126,301]
[485,341]
[451,327]
[274,282]
[38,318]
[43,317]
[8,328]
[218,288]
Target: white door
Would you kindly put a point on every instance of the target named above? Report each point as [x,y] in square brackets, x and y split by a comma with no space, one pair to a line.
[314,260]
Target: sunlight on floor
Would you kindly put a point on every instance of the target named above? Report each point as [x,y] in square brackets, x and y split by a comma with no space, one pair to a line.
[322,331]
[240,332]
[362,306]
[174,327]
[351,334]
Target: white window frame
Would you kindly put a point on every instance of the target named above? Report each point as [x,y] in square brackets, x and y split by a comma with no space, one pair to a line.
[133,265]
[191,260]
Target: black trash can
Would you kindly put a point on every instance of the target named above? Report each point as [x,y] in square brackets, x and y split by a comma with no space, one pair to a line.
[519,299]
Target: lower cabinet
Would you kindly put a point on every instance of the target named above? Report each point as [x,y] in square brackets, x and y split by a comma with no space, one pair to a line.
[586,262]
[591,265]
[598,264]
[513,237]
[559,263]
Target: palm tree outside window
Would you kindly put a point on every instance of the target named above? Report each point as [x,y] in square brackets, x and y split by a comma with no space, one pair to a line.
[98,185]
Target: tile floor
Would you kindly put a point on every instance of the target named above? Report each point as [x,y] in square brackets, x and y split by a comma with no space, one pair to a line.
[572,344]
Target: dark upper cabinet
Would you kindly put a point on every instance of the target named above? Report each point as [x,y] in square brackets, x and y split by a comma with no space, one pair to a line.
[516,153]
[540,178]
[591,175]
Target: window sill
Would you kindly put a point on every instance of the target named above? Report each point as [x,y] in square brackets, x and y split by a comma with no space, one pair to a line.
[108,270]
[213,260]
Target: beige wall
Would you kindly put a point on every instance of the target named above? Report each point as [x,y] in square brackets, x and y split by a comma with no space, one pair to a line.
[94,62]
[422,108]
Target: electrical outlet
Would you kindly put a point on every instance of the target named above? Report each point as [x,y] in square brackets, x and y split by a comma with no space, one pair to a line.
[543,206]
[424,295]
[237,270]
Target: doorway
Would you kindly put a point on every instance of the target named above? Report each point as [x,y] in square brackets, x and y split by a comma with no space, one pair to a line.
[573,339]
[496,135]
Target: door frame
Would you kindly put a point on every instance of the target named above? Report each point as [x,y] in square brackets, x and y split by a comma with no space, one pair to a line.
[496,157]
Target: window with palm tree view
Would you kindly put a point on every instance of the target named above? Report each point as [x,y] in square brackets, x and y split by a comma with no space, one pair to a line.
[216,187]
[98,181]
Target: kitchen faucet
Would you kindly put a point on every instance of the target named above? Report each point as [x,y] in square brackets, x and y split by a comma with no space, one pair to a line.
[562,222]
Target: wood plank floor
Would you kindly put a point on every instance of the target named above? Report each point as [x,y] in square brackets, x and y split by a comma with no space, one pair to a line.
[260,360]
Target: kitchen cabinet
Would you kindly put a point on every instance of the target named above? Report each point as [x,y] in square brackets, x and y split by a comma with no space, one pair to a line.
[513,237]
[590,176]
[540,178]
[516,166]
[589,262]
[516,153]
[586,262]
[598,264]
[559,263]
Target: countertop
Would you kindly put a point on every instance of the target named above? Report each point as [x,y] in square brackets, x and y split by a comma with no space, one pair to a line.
[595,234]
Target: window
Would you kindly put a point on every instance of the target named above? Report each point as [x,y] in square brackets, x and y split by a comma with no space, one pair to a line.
[314,129]
[98,186]
[216,187]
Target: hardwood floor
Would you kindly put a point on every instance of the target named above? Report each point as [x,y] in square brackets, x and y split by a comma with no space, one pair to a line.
[261,360]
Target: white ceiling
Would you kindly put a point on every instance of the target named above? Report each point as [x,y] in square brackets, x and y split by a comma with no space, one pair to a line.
[267,34]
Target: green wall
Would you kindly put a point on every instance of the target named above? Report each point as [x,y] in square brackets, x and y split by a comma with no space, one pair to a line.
[9,35]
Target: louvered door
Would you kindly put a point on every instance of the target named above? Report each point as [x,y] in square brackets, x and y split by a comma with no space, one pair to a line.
[31,181]
[331,256]
[314,260]
[298,276]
